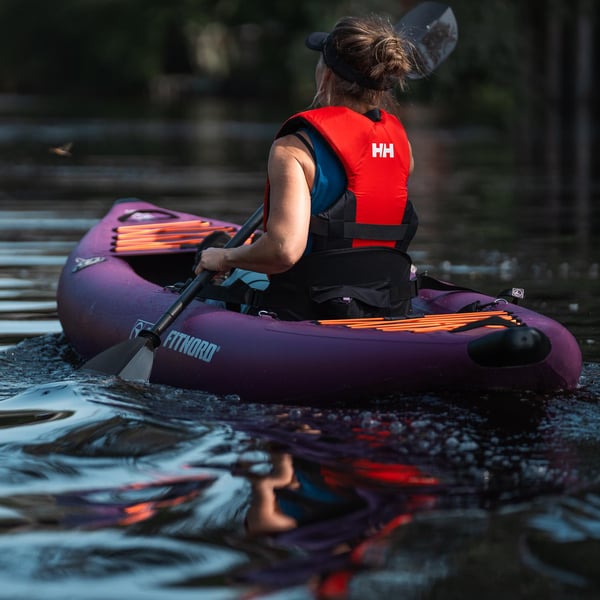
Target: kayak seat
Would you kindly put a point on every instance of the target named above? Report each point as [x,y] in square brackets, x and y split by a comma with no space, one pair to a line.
[331,284]
[342,283]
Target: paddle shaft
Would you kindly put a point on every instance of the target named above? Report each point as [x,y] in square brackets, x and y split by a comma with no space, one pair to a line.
[192,289]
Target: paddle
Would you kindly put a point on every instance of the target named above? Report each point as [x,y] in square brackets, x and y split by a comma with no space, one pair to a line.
[432,29]
[133,359]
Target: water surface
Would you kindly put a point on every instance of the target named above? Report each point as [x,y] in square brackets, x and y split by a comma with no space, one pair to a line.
[151,491]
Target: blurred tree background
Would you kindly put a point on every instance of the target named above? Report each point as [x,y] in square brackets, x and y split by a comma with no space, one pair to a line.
[513,57]
[521,85]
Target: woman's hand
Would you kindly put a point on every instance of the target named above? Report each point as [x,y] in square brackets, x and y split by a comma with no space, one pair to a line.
[213,259]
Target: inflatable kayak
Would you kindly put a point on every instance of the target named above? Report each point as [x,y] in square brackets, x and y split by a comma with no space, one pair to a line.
[127,270]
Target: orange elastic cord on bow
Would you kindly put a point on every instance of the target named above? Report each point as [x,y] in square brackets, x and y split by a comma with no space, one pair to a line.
[147,237]
[429,323]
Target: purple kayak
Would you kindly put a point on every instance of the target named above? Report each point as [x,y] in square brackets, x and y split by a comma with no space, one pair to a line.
[122,277]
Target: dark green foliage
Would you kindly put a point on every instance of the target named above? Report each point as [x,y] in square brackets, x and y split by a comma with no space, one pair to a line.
[110,47]
[94,46]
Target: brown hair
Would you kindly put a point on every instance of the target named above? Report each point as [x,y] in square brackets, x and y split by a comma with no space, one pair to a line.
[371,47]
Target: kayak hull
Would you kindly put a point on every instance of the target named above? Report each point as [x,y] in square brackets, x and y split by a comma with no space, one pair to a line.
[109,292]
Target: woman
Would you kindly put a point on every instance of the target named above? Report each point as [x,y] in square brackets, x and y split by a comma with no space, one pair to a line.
[337,216]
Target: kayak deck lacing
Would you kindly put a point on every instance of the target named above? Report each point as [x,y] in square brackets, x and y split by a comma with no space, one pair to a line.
[452,322]
[152,237]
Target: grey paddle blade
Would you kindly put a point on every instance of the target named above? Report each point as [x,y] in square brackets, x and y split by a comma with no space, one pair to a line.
[432,29]
[131,360]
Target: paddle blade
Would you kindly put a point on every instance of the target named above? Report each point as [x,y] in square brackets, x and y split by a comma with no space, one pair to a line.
[131,360]
[433,31]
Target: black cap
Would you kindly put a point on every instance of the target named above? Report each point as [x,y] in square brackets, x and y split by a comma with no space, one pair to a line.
[323,42]
[316,40]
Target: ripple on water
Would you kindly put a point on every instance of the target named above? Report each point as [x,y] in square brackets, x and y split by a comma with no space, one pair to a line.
[96,564]
[458,486]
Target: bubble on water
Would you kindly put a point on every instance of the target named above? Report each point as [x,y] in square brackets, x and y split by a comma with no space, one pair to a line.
[396,427]
[468,446]
[423,445]
[435,450]
[296,413]
[370,423]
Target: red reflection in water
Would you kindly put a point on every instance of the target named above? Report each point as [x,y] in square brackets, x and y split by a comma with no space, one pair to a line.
[129,504]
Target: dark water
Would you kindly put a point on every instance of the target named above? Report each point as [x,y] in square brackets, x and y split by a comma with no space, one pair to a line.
[110,489]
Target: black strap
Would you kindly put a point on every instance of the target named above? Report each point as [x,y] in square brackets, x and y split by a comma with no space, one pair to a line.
[369,231]
[239,292]
[431,283]
[360,231]
[307,144]
[489,321]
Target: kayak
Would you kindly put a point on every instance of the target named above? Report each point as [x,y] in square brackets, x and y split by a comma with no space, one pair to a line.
[129,268]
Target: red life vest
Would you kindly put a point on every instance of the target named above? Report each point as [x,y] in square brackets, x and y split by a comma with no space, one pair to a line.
[375,154]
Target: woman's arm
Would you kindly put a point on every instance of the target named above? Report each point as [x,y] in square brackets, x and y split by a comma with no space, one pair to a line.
[291,173]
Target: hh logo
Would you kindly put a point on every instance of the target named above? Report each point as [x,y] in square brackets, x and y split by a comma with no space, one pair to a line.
[382,150]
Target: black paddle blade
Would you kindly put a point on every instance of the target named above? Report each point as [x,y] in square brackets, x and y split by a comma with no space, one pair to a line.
[432,29]
[131,360]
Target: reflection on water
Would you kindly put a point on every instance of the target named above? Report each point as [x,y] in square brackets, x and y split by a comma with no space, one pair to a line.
[162,492]
[167,491]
